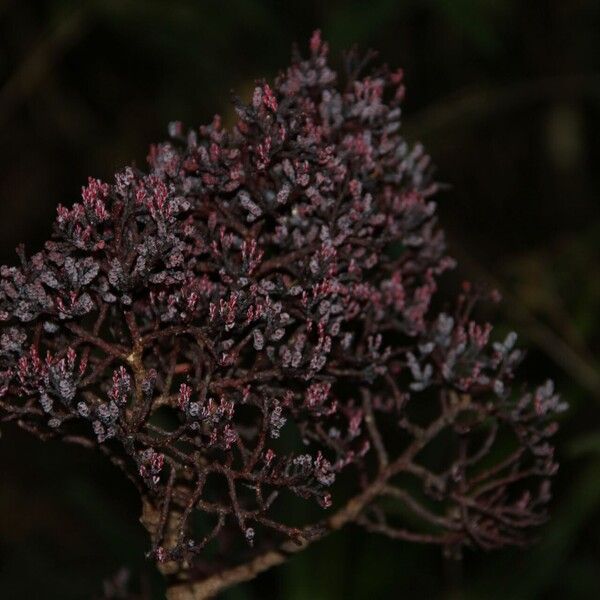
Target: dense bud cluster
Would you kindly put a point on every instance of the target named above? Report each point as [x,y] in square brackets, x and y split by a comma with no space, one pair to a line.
[254,318]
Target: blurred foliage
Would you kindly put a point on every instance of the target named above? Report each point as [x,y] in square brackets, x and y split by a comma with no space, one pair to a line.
[505,94]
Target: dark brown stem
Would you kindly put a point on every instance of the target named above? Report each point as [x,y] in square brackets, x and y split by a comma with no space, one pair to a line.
[350,512]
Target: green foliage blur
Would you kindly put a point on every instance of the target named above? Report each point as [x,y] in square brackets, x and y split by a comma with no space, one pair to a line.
[505,95]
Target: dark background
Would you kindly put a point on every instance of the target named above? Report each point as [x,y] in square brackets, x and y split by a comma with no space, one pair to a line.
[506,97]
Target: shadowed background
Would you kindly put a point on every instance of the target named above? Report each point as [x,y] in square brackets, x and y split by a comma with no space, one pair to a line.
[506,97]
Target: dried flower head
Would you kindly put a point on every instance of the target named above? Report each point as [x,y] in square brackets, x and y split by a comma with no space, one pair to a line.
[254,316]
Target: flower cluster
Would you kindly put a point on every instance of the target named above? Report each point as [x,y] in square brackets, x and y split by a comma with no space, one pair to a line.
[256,315]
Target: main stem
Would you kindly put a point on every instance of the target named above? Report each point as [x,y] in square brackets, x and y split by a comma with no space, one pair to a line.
[212,585]
[209,587]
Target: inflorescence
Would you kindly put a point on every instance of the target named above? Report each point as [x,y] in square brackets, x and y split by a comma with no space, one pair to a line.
[257,317]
